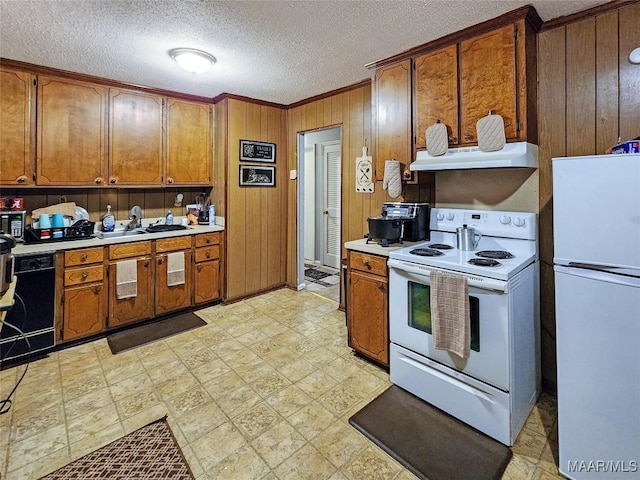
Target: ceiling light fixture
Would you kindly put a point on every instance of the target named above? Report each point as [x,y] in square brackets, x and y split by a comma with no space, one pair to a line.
[192,60]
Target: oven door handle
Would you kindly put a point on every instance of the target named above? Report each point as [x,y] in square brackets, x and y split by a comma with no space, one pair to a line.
[481,283]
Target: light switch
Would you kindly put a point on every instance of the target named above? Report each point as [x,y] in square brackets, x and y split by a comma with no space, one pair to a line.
[293,174]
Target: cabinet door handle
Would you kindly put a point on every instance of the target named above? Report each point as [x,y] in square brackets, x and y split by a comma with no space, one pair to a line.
[84,275]
[160,261]
[468,136]
[208,241]
[452,138]
[146,263]
[97,289]
[83,257]
[169,179]
[368,265]
[199,268]
[208,255]
[382,287]
[113,180]
[21,179]
[98,180]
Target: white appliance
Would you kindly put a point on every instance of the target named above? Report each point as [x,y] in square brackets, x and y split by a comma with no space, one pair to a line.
[517,154]
[495,388]
[596,221]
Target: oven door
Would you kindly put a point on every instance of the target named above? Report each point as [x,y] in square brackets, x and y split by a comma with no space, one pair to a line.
[410,322]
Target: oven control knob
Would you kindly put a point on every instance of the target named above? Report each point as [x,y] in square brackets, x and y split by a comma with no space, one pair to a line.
[450,216]
[439,216]
[518,222]
[505,220]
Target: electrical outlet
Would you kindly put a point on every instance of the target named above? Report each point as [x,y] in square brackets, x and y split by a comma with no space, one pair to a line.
[62,199]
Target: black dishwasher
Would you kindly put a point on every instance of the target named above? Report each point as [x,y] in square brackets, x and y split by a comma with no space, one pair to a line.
[32,312]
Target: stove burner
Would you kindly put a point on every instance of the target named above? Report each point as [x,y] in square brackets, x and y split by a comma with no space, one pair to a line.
[440,246]
[426,252]
[497,254]
[484,262]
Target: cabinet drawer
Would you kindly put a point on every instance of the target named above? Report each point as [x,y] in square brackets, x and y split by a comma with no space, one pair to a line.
[84,256]
[206,239]
[125,250]
[368,263]
[208,253]
[176,243]
[78,276]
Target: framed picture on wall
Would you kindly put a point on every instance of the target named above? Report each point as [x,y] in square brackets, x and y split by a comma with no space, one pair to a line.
[257,176]
[251,151]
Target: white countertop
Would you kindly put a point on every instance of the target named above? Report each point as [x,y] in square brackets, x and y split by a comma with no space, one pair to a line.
[361,245]
[26,249]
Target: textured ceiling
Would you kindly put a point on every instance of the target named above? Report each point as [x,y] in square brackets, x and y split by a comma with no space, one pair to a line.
[277,51]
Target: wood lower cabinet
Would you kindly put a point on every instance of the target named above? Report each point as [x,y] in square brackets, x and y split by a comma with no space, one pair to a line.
[172,293]
[206,275]
[84,299]
[367,315]
[17,110]
[140,307]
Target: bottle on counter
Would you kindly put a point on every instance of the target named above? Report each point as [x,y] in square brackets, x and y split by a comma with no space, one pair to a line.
[108,221]
[169,218]
[212,215]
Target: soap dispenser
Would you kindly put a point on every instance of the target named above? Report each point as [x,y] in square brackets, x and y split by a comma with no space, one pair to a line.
[108,221]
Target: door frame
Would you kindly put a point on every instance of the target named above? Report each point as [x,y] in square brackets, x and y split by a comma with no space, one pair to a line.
[300,283]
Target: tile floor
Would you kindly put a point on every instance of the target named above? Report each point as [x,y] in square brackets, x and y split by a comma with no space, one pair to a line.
[264,391]
[328,287]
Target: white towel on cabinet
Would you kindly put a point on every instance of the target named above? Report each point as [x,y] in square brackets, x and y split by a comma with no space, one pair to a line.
[392,180]
[126,279]
[175,269]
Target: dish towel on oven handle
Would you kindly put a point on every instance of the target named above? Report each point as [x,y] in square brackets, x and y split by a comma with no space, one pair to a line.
[175,269]
[450,318]
[392,180]
[126,279]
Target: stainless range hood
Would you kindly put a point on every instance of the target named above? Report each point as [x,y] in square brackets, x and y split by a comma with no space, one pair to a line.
[519,154]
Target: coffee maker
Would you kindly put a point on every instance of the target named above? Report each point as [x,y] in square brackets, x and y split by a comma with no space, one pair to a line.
[414,216]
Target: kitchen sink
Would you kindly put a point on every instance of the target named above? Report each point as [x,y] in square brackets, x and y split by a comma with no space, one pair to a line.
[121,233]
[164,228]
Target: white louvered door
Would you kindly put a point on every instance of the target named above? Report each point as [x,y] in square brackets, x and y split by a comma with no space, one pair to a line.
[331,208]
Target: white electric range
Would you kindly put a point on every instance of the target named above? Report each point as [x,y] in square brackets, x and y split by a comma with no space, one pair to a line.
[494,388]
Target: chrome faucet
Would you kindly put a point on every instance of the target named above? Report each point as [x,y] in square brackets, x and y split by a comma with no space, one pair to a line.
[135,217]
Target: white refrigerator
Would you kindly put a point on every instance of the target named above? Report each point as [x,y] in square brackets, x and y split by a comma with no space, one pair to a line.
[596,223]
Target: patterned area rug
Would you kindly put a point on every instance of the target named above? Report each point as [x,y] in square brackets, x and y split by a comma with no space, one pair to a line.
[149,453]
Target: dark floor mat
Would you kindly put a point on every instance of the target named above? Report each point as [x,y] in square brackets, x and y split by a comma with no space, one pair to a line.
[430,443]
[134,337]
[315,274]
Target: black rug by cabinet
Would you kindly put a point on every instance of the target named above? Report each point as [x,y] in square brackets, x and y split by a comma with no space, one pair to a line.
[430,443]
[136,336]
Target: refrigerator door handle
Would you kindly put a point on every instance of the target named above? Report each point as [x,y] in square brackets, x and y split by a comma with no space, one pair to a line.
[599,275]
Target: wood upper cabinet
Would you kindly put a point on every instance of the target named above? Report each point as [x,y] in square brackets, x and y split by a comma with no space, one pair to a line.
[489,81]
[367,316]
[435,80]
[135,138]
[392,107]
[71,130]
[189,144]
[17,108]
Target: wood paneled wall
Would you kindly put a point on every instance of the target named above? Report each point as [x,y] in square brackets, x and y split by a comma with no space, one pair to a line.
[352,111]
[256,217]
[588,96]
